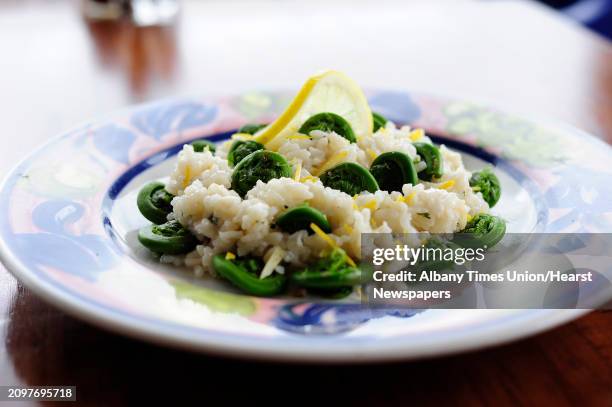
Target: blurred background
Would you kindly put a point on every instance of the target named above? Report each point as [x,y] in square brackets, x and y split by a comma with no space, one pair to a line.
[595,14]
[65,61]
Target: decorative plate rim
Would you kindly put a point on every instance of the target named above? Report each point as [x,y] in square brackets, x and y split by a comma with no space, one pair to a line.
[225,345]
[297,349]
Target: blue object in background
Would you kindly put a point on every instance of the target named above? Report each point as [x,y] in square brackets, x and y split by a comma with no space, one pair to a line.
[595,14]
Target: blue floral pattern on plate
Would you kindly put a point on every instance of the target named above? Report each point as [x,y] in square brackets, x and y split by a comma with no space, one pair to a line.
[162,118]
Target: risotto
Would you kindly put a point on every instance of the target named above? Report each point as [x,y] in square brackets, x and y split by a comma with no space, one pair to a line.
[302,199]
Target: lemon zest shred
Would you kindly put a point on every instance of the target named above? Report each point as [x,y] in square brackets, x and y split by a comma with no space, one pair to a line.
[298,171]
[469,217]
[333,160]
[308,178]
[447,184]
[400,198]
[242,136]
[230,256]
[355,207]
[350,261]
[299,137]
[275,259]
[372,154]
[331,242]
[416,134]
[347,228]
[408,199]
[187,179]
[323,235]
[371,205]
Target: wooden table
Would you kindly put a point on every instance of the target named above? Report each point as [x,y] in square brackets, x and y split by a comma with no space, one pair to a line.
[57,70]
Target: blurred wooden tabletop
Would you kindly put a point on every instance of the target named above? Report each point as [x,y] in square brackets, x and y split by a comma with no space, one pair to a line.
[57,70]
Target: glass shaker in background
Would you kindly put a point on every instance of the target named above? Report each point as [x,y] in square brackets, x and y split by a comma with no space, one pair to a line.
[140,12]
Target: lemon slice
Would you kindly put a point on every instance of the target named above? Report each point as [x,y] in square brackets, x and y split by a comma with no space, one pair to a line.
[330,91]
